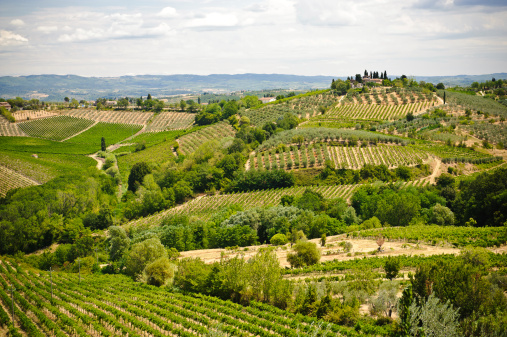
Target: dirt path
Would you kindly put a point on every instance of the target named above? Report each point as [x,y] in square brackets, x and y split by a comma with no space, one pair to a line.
[80,132]
[247,164]
[436,171]
[116,146]
[331,252]
[100,161]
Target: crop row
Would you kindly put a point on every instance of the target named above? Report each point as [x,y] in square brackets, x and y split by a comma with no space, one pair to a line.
[63,305]
[304,107]
[26,115]
[204,207]
[376,111]
[346,157]
[459,236]
[122,117]
[112,132]
[11,130]
[55,128]
[190,142]
[169,120]
[10,180]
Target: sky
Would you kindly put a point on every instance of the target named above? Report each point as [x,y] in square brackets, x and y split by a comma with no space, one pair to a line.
[301,37]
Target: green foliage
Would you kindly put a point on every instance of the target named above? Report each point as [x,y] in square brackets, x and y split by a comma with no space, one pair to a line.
[305,254]
[137,174]
[119,242]
[392,267]
[278,239]
[159,272]
[255,180]
[142,254]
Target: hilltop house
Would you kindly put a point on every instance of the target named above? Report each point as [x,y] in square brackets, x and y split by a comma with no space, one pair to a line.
[367,79]
[5,105]
[267,99]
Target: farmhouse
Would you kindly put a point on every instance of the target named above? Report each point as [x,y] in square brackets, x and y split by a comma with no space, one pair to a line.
[111,103]
[5,105]
[267,99]
[367,79]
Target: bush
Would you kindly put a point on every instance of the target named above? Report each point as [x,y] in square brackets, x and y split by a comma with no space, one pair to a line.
[278,239]
[306,254]
[159,272]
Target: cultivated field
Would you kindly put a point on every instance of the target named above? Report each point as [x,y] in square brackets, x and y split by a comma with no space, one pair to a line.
[63,304]
[376,111]
[121,117]
[169,120]
[55,128]
[11,179]
[189,143]
[21,116]
[347,157]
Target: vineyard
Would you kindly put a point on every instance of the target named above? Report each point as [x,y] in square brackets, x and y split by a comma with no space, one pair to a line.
[316,135]
[443,151]
[30,114]
[475,103]
[375,111]
[10,130]
[316,155]
[113,133]
[11,180]
[190,142]
[55,128]
[458,236]
[121,117]
[44,168]
[62,304]
[305,107]
[169,120]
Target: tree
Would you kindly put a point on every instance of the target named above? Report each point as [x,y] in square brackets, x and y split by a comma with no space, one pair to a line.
[142,254]
[434,318]
[119,242]
[136,176]
[102,144]
[441,215]
[183,105]
[123,103]
[440,86]
[278,239]
[392,267]
[159,272]
[306,254]
[66,99]
[410,117]
[149,96]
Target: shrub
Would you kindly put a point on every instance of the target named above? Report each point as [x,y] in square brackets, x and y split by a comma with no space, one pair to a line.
[159,272]
[306,254]
[278,239]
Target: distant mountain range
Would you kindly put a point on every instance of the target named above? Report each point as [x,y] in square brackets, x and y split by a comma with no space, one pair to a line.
[56,87]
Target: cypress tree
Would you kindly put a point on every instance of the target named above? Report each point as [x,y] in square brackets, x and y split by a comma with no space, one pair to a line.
[103,144]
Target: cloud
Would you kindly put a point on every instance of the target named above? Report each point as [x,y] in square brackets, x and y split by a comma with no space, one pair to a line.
[458,4]
[17,22]
[8,38]
[47,29]
[168,12]
[214,20]
[326,13]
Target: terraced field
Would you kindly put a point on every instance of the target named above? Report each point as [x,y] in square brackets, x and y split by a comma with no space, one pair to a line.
[21,116]
[10,129]
[170,120]
[347,157]
[121,117]
[55,128]
[10,180]
[189,143]
[376,111]
[63,304]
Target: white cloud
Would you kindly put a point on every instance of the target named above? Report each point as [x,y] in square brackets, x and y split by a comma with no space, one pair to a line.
[8,38]
[82,35]
[167,12]
[17,22]
[215,19]
[47,29]
[327,13]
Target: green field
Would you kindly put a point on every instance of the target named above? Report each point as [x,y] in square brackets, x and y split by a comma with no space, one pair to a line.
[66,304]
[55,128]
[113,133]
[46,167]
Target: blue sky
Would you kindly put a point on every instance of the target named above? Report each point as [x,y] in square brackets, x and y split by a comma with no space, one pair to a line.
[304,37]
